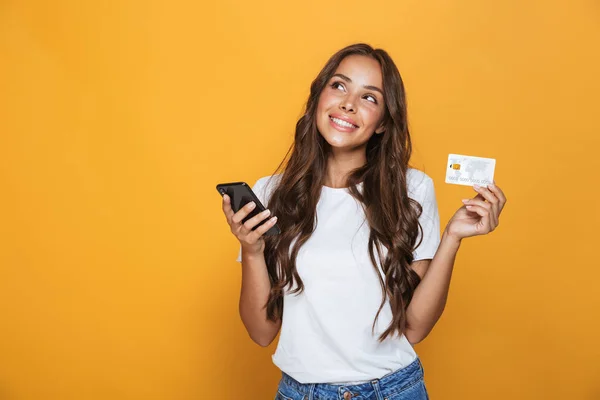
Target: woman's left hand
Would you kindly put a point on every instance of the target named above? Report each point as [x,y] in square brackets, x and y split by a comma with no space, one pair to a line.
[480,215]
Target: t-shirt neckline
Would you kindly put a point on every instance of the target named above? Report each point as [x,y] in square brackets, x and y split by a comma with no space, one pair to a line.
[344,189]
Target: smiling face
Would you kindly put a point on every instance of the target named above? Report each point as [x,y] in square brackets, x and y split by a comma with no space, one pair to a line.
[351,107]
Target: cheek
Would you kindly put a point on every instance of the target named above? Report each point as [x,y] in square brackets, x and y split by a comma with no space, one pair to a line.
[371,116]
[321,113]
[320,105]
[326,100]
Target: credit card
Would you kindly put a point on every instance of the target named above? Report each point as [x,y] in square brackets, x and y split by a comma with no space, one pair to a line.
[469,170]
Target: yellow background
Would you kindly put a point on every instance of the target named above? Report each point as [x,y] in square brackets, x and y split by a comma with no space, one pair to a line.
[118,277]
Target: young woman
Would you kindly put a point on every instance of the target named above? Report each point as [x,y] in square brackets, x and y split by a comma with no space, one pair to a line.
[359,273]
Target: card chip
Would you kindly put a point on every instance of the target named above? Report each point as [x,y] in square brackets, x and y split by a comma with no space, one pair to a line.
[455,166]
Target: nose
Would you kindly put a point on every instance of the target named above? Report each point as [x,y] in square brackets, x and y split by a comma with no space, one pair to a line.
[347,104]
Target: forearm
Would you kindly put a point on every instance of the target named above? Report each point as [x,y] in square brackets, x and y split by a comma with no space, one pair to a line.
[429,298]
[254,295]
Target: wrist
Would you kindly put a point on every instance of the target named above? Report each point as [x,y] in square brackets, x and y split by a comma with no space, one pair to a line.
[251,254]
[451,238]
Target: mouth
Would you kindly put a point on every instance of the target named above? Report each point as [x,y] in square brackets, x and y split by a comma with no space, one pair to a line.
[342,124]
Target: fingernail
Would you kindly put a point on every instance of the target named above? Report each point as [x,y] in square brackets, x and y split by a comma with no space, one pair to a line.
[266,212]
[252,205]
[476,186]
[465,201]
[225,197]
[274,219]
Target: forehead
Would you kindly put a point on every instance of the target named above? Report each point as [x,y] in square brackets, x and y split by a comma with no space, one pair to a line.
[362,70]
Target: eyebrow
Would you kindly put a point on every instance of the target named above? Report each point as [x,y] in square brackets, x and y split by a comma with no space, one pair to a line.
[344,77]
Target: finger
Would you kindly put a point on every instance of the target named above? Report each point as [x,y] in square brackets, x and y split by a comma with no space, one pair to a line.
[252,222]
[499,194]
[491,198]
[477,201]
[479,197]
[483,204]
[484,213]
[261,230]
[486,193]
[243,213]
[227,210]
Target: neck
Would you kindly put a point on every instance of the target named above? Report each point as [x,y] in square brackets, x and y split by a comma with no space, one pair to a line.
[340,164]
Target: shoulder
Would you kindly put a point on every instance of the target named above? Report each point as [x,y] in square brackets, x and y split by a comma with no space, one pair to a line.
[268,182]
[417,180]
[419,184]
[265,186]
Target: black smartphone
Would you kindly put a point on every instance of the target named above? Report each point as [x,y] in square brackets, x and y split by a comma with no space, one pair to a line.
[241,194]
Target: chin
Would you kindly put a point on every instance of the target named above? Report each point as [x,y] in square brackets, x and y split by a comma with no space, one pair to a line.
[336,140]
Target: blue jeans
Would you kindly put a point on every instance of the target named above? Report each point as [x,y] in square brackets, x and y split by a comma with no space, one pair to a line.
[404,384]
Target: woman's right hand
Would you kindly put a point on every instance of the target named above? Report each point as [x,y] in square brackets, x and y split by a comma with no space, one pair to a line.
[251,240]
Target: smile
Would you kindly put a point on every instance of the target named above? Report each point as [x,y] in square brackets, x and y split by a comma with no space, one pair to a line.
[342,123]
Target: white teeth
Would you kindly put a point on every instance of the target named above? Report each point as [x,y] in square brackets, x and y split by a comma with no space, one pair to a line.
[342,123]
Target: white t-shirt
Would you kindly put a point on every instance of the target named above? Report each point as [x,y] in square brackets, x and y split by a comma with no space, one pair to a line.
[326,333]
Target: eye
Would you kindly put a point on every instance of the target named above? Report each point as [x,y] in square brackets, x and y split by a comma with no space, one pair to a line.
[337,85]
[371,97]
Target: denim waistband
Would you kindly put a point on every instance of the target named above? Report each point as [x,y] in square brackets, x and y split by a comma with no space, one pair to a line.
[390,382]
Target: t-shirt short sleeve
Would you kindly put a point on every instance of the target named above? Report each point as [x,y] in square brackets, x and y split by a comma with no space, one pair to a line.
[424,193]
[262,188]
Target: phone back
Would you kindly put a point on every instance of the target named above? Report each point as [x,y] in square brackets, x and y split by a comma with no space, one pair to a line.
[241,194]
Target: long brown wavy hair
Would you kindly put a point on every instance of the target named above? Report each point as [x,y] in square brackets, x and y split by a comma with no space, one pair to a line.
[392,216]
